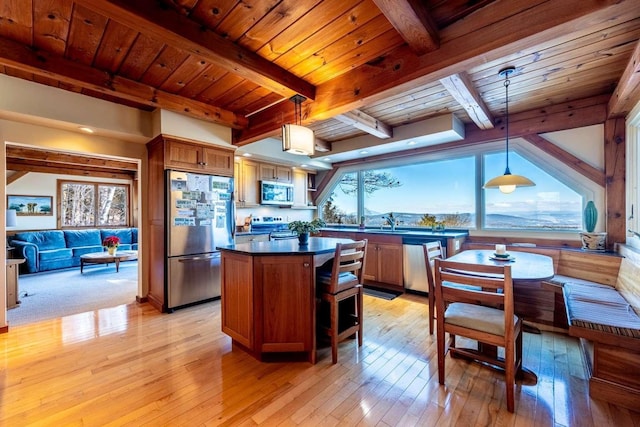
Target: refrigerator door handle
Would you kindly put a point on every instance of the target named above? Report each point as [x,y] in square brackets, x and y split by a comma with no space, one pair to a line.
[233,216]
[199,258]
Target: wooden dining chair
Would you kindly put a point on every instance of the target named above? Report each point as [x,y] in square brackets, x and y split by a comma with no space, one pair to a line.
[485,315]
[341,290]
[432,250]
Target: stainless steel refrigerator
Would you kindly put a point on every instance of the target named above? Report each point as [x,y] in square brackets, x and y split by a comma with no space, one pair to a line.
[200,217]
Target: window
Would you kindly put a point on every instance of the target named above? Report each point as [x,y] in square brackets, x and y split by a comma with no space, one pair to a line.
[341,207]
[633,178]
[422,194]
[91,204]
[447,192]
[550,205]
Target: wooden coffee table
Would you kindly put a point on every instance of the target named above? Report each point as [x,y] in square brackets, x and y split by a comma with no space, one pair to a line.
[105,258]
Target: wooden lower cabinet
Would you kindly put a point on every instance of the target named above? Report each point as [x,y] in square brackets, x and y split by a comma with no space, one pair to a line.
[268,303]
[384,261]
[284,292]
[12,282]
[383,265]
[237,298]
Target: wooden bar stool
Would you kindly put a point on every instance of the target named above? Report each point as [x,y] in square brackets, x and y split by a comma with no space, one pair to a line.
[341,290]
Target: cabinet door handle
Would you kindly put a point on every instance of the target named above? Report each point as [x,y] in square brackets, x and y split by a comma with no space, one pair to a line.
[306,265]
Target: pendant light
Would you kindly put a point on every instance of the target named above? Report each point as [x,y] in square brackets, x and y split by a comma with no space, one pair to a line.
[297,139]
[508,182]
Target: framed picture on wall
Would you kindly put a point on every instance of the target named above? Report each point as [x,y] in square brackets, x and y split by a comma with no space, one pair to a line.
[31,205]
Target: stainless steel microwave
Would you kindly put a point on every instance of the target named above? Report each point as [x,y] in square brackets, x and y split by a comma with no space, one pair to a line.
[276,193]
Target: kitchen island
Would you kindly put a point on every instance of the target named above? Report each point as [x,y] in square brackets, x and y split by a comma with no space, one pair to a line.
[395,259]
[269,294]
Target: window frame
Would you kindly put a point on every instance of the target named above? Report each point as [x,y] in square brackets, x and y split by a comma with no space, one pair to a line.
[587,189]
[633,176]
[96,185]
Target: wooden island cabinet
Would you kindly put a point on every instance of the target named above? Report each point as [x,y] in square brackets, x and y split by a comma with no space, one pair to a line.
[268,294]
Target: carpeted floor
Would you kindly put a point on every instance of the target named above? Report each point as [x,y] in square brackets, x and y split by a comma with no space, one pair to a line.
[61,293]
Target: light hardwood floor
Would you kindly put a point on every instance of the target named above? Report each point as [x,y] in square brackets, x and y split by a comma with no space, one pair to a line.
[131,365]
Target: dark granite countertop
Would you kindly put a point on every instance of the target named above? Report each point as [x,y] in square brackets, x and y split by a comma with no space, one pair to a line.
[449,234]
[251,233]
[317,245]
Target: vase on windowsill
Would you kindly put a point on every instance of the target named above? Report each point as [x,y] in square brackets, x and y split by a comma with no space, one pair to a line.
[591,240]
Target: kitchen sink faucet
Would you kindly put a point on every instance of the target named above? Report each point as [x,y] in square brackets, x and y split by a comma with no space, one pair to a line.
[390,220]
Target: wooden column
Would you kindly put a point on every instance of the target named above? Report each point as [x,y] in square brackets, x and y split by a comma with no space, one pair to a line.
[615,170]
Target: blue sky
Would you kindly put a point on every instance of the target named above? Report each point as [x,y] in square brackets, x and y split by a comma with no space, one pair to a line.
[446,186]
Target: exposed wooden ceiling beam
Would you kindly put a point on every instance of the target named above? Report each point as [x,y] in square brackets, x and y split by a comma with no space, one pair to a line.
[174,29]
[513,26]
[569,115]
[44,167]
[42,64]
[461,88]
[68,160]
[414,23]
[627,93]
[16,176]
[365,122]
[567,158]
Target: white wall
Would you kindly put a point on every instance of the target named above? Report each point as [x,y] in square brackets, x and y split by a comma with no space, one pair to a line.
[43,184]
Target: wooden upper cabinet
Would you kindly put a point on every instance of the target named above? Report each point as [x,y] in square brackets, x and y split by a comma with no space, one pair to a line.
[300,190]
[279,173]
[246,183]
[195,157]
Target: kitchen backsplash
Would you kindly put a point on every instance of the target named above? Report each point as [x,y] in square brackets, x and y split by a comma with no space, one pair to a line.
[287,215]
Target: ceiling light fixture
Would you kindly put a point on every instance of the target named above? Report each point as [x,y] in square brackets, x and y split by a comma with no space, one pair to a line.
[508,182]
[297,139]
[86,129]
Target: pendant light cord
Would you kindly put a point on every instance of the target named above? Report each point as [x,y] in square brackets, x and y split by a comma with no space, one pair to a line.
[506,88]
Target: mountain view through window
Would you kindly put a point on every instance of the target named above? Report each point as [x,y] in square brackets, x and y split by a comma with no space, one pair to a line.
[444,193]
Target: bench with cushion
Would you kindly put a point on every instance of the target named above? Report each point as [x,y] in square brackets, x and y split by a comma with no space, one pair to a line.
[53,249]
[606,320]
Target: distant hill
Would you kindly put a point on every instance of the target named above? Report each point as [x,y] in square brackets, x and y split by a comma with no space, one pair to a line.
[538,220]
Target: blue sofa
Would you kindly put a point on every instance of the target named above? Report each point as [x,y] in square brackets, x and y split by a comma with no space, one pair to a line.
[53,249]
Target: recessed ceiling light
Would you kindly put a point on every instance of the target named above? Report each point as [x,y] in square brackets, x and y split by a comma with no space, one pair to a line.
[303,166]
[86,129]
[327,159]
[411,143]
[363,152]
[247,154]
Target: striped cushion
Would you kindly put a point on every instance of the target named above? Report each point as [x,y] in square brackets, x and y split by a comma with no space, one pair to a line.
[560,280]
[600,308]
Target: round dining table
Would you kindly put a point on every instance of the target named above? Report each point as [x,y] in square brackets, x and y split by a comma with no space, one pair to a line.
[524,266]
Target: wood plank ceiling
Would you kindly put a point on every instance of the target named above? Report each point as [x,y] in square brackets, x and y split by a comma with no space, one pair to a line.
[362,64]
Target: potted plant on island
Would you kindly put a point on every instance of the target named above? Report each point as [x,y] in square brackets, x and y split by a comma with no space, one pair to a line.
[591,240]
[111,243]
[303,228]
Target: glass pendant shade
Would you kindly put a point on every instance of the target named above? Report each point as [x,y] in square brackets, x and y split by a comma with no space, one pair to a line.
[508,182]
[297,140]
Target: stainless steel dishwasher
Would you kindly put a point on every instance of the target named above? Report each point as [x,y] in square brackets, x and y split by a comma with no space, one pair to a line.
[414,269]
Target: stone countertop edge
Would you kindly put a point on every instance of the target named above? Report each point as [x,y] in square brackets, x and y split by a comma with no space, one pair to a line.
[317,245]
[401,232]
